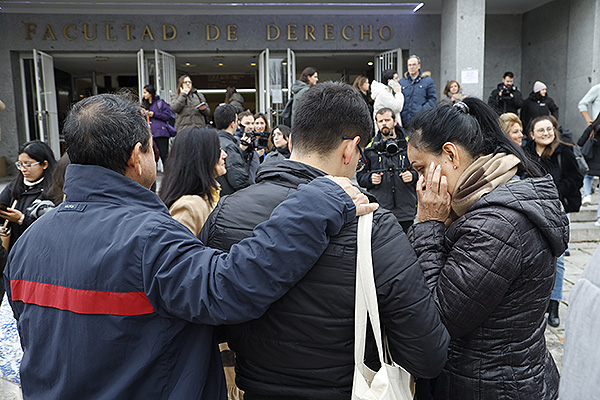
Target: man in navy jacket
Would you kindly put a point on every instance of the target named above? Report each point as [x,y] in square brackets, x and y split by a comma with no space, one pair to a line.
[116,300]
[418,89]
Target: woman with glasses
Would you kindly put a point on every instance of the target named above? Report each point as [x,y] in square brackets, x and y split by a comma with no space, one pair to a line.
[189,187]
[189,105]
[557,159]
[25,198]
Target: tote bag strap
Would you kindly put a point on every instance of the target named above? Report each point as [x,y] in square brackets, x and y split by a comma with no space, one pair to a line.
[366,294]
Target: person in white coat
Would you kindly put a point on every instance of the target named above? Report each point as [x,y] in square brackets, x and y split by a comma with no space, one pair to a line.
[388,94]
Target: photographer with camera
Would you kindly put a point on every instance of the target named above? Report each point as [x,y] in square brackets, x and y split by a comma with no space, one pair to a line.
[506,97]
[387,173]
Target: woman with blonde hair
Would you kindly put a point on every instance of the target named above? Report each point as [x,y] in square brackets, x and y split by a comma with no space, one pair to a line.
[512,126]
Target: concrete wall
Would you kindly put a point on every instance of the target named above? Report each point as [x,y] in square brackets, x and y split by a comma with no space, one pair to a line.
[502,50]
[544,44]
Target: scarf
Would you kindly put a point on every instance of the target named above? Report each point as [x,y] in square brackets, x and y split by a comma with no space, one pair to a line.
[481,177]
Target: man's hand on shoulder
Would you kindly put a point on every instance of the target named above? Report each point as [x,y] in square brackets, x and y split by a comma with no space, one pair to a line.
[361,201]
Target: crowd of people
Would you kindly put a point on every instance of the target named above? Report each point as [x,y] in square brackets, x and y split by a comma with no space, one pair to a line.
[468,245]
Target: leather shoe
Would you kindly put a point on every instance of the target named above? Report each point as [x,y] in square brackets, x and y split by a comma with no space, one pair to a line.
[553,319]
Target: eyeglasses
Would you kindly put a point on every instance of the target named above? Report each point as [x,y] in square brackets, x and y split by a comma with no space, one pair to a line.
[550,129]
[21,167]
[363,160]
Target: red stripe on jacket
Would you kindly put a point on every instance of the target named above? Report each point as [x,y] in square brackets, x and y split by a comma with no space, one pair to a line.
[81,301]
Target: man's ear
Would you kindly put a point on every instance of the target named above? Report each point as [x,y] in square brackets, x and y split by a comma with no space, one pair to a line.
[134,164]
[349,149]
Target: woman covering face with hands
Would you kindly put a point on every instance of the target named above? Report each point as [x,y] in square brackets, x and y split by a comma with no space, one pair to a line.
[488,246]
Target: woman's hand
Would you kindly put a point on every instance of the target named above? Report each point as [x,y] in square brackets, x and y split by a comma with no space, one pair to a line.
[11,214]
[434,199]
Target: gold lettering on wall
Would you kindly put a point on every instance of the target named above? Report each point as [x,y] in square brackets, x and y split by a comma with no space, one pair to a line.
[108,37]
[309,30]
[49,33]
[85,32]
[232,33]
[212,28]
[362,32]
[147,32]
[128,28]
[390,32]
[329,32]
[66,35]
[173,32]
[344,35]
[291,32]
[271,28]
[29,29]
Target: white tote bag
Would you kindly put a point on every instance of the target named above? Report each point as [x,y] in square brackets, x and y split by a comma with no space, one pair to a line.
[391,382]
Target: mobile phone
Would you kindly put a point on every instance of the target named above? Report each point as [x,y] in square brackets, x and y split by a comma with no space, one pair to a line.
[391,83]
[202,104]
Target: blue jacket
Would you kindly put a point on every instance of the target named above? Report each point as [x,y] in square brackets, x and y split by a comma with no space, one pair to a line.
[419,95]
[116,300]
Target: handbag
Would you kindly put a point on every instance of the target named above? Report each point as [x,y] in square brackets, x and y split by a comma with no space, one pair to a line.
[588,147]
[5,231]
[391,382]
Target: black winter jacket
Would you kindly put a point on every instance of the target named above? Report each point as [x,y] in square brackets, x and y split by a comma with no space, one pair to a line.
[238,168]
[594,162]
[535,106]
[562,165]
[392,193]
[506,105]
[491,274]
[303,347]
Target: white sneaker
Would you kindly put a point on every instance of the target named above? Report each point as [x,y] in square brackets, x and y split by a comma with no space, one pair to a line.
[597,223]
[587,199]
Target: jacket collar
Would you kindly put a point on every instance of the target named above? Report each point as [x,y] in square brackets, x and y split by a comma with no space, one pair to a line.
[294,172]
[92,183]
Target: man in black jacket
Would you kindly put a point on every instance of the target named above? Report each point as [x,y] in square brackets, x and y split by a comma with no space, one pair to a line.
[506,97]
[238,167]
[387,173]
[303,347]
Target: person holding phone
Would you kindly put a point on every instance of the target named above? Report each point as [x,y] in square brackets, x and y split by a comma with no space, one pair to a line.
[189,105]
[387,94]
[24,199]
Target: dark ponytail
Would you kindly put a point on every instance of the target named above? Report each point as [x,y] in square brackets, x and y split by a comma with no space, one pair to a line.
[470,123]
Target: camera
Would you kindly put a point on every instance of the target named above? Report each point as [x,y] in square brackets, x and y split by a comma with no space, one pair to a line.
[388,147]
[507,91]
[256,140]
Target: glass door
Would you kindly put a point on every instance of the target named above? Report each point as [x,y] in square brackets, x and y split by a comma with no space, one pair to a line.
[391,59]
[46,109]
[166,75]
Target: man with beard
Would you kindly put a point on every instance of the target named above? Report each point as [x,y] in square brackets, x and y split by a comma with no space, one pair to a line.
[387,173]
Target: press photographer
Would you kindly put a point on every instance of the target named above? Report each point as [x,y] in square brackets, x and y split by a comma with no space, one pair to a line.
[387,173]
[506,97]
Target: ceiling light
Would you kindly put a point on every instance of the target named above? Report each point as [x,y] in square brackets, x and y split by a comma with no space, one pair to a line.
[253,64]
[370,63]
[187,64]
[284,63]
[418,7]
[220,64]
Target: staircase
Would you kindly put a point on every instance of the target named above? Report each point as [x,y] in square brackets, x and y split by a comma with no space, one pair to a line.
[582,222]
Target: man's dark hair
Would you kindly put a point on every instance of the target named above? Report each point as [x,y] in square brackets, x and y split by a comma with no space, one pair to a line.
[509,74]
[326,113]
[387,75]
[224,116]
[104,129]
[384,110]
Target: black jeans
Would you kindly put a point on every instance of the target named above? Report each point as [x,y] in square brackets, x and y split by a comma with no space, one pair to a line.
[163,149]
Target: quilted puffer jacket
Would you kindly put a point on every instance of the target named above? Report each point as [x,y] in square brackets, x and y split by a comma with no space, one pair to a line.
[491,274]
[303,347]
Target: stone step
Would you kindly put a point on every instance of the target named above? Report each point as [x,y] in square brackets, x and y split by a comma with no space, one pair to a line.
[585,214]
[584,232]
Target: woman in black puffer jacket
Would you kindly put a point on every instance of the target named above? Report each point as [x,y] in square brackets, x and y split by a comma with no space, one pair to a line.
[487,245]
